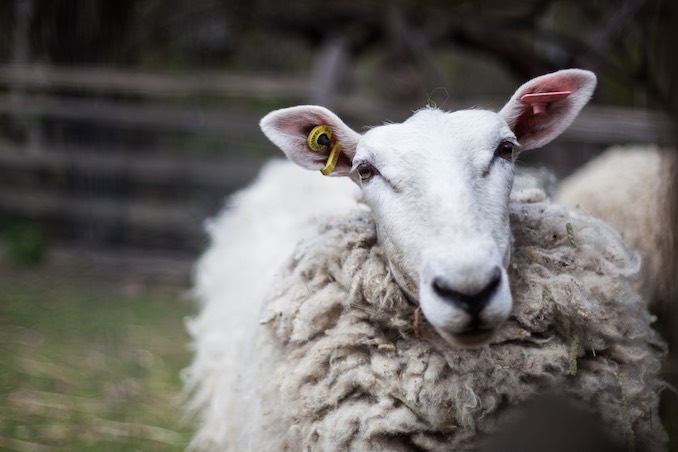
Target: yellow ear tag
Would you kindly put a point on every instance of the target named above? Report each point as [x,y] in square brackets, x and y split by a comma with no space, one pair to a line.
[318,140]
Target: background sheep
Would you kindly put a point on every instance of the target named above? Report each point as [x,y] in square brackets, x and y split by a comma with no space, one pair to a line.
[634,189]
[349,361]
[629,187]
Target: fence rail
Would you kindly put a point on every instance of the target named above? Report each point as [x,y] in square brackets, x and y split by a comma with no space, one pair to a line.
[115,81]
[129,115]
[213,173]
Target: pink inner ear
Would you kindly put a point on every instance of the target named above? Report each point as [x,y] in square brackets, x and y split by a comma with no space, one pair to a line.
[540,101]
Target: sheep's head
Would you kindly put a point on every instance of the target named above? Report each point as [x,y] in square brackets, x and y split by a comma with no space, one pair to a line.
[438,187]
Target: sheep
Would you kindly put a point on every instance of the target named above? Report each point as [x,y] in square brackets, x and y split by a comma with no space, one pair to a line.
[628,186]
[250,241]
[414,316]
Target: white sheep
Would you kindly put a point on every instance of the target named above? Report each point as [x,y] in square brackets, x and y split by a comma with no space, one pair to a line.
[392,325]
[629,187]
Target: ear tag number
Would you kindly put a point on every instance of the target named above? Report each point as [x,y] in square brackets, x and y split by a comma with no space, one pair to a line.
[318,140]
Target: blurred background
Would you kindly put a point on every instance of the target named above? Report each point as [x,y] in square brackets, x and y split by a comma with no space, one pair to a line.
[125,124]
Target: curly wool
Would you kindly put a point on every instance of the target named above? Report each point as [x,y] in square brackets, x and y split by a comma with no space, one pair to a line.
[359,373]
[250,241]
[346,362]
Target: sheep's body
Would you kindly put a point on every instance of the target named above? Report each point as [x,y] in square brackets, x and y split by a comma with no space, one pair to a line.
[628,187]
[362,341]
[344,362]
[250,241]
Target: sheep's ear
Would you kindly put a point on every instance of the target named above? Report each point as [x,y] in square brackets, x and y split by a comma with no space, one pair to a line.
[289,128]
[544,107]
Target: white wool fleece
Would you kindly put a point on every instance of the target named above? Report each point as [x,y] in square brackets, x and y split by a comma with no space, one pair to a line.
[344,361]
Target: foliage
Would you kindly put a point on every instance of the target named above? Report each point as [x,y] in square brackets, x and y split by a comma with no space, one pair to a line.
[25,243]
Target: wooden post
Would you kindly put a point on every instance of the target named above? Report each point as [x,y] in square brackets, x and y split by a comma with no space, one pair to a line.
[20,58]
[329,69]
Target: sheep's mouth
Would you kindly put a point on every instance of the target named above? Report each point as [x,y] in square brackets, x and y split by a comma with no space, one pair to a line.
[473,337]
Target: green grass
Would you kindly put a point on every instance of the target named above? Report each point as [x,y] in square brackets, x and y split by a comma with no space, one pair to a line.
[89,368]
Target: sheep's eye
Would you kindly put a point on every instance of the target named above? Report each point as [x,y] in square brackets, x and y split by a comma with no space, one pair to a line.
[365,171]
[504,150]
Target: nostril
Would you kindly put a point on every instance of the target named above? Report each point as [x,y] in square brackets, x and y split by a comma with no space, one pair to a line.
[442,288]
[474,302]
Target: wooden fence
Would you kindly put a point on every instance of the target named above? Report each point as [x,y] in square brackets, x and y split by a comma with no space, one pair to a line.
[152,194]
[106,157]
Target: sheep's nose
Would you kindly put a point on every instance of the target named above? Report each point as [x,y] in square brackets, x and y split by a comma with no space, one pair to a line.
[471,301]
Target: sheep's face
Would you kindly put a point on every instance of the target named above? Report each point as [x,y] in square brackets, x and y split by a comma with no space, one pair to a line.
[438,186]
